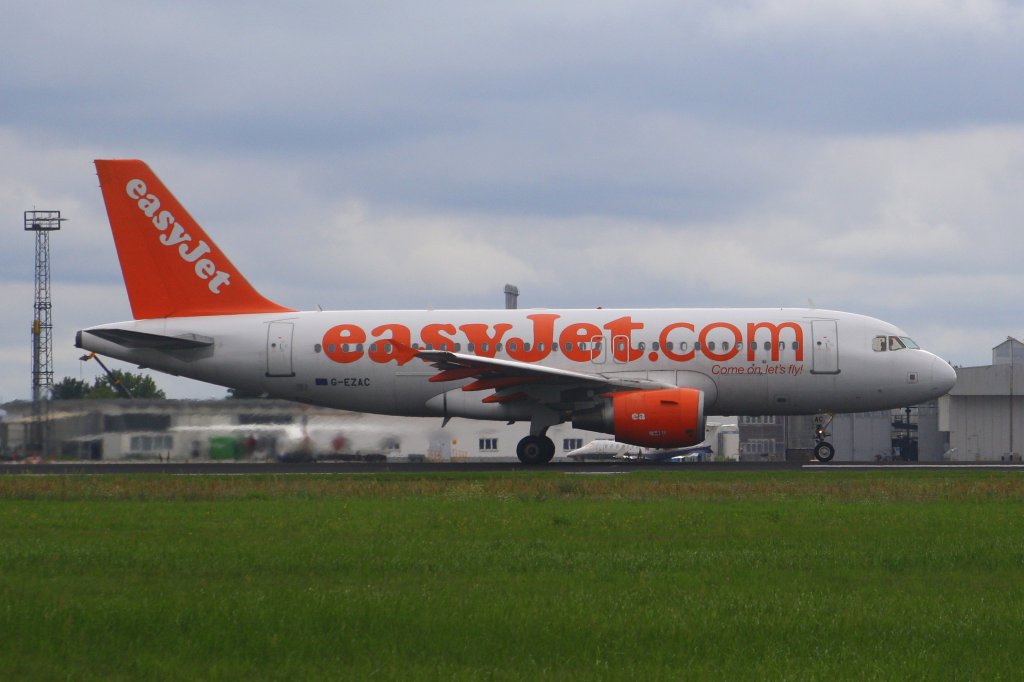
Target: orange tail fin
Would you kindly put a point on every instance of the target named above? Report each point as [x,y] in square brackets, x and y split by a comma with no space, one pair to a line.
[171,267]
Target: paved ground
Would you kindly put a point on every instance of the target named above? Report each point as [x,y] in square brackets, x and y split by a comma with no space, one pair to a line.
[222,468]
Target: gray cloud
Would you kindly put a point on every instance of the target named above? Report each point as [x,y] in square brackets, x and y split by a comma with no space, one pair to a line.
[866,155]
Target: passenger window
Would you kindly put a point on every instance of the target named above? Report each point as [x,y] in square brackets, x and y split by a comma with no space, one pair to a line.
[696,345]
[711,345]
[641,346]
[513,346]
[668,345]
[526,346]
[654,345]
[469,348]
[767,345]
[725,345]
[458,347]
[796,345]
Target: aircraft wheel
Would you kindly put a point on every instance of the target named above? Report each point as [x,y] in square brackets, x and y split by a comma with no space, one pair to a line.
[535,450]
[824,452]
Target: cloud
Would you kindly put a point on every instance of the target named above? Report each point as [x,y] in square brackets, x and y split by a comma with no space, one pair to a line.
[865,155]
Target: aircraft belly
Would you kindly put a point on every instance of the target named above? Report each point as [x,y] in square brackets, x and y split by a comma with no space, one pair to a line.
[741,394]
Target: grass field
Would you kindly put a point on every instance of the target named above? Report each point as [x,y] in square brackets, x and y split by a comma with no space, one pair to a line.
[673,575]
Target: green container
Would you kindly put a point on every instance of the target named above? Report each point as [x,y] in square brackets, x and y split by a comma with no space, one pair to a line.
[225,447]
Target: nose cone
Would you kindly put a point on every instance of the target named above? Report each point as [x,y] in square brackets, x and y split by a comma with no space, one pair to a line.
[943,376]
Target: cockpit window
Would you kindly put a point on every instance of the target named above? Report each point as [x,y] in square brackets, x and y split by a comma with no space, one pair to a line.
[882,343]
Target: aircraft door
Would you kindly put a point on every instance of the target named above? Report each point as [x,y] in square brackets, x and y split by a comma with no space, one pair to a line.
[279,349]
[598,350]
[825,347]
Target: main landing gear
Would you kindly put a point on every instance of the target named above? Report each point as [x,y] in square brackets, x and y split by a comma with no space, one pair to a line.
[535,450]
[823,450]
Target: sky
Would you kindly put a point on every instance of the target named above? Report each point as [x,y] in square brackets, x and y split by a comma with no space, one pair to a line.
[864,156]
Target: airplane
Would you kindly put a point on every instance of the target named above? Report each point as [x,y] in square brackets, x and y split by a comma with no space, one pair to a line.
[603,449]
[316,436]
[699,454]
[649,377]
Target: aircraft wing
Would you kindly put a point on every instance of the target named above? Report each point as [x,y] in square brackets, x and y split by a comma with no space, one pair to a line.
[512,379]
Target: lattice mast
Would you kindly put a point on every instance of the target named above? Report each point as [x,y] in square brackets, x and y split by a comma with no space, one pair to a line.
[42,223]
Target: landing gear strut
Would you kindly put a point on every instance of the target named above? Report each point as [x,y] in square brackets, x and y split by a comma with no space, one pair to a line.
[823,450]
[535,450]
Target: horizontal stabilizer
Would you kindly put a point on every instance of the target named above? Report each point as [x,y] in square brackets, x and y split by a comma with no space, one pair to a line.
[131,339]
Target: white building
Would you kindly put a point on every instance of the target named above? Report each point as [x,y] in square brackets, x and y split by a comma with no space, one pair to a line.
[262,429]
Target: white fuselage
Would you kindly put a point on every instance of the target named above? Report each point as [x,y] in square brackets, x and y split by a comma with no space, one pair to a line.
[746,361]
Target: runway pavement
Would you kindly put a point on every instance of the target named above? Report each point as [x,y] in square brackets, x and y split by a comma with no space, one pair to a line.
[276,468]
[307,468]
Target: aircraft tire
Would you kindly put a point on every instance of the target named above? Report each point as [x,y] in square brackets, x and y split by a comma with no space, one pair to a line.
[824,452]
[534,450]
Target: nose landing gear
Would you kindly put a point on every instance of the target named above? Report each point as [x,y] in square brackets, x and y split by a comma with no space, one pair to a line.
[823,450]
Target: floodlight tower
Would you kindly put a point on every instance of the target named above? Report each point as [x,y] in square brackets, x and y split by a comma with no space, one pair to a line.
[42,223]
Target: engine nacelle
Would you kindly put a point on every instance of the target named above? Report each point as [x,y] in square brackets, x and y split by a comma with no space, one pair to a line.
[662,418]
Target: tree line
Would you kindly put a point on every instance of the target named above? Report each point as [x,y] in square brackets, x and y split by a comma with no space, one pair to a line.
[105,387]
[138,386]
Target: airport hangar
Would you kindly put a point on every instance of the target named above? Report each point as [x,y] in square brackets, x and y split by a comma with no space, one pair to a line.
[978,421]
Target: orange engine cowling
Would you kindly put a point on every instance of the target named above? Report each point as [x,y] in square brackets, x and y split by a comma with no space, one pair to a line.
[662,418]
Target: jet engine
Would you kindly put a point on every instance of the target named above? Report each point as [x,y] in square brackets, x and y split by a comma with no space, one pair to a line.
[661,418]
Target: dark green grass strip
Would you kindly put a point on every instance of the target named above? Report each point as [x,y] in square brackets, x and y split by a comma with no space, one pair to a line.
[654,576]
